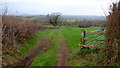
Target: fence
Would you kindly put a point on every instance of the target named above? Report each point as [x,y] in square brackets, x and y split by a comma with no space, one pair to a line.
[97,42]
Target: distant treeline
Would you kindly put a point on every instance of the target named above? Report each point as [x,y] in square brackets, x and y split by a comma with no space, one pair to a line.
[82,23]
[82,17]
[86,23]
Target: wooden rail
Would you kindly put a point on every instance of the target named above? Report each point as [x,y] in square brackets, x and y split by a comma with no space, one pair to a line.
[94,47]
[93,39]
[96,32]
[83,40]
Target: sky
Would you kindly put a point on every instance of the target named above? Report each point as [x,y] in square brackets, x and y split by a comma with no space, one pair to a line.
[66,7]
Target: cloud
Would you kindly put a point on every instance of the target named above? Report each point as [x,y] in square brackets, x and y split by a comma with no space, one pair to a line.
[81,7]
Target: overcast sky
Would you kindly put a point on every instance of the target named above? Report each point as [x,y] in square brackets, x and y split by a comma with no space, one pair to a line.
[66,7]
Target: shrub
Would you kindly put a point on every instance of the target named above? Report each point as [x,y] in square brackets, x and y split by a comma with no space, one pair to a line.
[16,30]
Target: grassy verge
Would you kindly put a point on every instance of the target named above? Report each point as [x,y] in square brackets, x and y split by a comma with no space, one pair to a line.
[29,44]
[50,57]
[46,59]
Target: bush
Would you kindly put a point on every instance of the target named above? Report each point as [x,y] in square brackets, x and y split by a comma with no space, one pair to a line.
[16,30]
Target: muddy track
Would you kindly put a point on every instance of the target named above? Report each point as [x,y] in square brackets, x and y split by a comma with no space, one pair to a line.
[27,60]
[63,54]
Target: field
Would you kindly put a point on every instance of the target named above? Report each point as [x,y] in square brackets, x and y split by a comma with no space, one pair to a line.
[71,36]
[72,20]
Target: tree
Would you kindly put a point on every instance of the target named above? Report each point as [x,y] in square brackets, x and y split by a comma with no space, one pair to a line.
[54,18]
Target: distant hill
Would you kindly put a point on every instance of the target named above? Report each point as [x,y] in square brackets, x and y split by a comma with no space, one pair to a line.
[85,17]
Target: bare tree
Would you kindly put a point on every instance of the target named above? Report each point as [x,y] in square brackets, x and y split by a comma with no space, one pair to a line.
[54,18]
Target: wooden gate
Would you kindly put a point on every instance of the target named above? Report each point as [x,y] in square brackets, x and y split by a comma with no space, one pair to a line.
[84,39]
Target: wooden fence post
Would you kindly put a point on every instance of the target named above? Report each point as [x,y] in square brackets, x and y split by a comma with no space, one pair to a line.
[83,33]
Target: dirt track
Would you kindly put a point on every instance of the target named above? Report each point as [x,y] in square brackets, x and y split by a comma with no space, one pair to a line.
[63,54]
[27,60]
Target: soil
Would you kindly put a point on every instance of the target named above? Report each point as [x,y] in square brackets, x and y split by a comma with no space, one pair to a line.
[27,60]
[63,54]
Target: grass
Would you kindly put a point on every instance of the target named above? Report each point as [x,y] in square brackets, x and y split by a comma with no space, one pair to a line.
[71,20]
[49,58]
[32,18]
[46,59]
[72,35]
[29,44]
[49,26]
